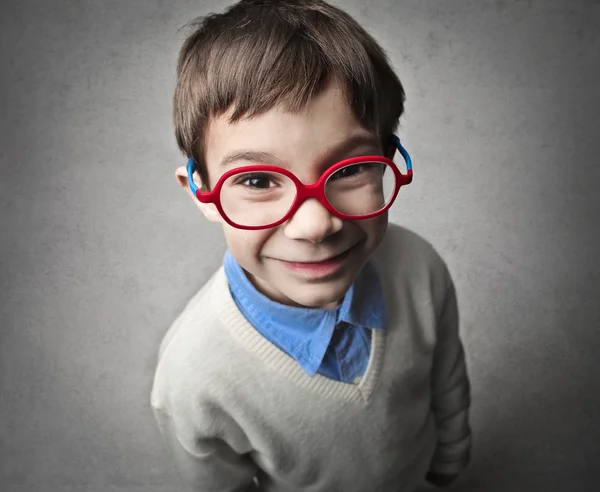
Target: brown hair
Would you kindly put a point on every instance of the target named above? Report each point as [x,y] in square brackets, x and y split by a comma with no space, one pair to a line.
[260,53]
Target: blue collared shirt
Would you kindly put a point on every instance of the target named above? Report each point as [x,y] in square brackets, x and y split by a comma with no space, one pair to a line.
[310,335]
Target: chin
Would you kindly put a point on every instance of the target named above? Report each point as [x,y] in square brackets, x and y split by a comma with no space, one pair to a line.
[319,296]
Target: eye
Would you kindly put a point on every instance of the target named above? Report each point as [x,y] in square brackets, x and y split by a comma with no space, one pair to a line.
[352,170]
[259,181]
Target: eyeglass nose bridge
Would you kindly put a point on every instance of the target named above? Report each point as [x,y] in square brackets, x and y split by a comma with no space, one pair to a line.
[305,192]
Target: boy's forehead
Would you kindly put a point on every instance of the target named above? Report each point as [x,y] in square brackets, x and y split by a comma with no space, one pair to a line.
[283,151]
[325,125]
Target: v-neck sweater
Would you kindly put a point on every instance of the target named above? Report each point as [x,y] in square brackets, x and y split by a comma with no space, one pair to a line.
[235,410]
[336,342]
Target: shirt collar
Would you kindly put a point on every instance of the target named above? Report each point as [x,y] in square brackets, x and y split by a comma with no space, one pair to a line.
[306,332]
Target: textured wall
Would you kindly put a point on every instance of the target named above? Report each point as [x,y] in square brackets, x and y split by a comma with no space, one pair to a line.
[100,250]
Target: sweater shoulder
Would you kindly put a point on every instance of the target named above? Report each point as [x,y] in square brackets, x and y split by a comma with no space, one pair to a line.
[196,306]
[410,265]
[404,249]
[191,352]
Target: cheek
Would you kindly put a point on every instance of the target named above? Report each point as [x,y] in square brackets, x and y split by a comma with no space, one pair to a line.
[245,246]
[375,228]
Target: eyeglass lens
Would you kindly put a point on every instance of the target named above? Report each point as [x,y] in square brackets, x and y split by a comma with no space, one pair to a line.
[262,198]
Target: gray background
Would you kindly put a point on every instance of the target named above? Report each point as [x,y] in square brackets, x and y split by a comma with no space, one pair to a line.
[100,249]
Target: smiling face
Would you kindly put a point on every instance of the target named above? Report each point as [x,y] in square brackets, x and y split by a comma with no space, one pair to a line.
[307,143]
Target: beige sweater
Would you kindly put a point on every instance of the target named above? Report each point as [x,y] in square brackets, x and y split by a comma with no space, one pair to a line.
[231,406]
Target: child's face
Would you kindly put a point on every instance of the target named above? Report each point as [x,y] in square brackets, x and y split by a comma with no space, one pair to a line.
[304,142]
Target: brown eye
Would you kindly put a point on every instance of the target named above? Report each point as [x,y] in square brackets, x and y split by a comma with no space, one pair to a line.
[352,170]
[255,181]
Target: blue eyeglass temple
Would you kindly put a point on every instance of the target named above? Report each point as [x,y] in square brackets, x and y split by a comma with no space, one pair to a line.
[194,188]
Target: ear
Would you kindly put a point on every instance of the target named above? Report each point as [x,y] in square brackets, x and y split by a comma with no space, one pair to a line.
[389,149]
[208,209]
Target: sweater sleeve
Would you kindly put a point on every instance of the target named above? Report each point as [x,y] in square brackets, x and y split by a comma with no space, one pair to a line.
[212,466]
[451,396]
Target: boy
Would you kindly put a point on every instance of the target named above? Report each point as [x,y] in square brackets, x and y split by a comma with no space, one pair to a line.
[324,355]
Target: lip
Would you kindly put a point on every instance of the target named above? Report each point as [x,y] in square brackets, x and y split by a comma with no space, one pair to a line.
[319,269]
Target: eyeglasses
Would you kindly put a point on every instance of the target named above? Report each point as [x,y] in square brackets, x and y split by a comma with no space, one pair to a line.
[260,196]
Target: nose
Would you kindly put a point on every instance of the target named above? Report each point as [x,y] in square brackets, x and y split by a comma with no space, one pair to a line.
[313,222]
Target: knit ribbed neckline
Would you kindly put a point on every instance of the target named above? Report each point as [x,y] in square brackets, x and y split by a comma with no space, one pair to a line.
[233,320]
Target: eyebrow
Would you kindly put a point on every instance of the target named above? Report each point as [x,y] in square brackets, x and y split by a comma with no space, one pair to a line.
[259,157]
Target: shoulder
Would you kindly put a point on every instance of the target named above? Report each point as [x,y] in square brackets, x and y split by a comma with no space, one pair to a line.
[196,307]
[403,249]
[188,357]
[407,262]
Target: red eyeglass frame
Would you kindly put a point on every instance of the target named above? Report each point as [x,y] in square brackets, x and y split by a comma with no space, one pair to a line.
[304,192]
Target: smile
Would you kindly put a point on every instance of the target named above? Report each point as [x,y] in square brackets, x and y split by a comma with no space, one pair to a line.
[321,268]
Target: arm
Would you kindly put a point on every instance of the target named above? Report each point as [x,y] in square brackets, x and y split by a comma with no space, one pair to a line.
[212,465]
[451,396]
